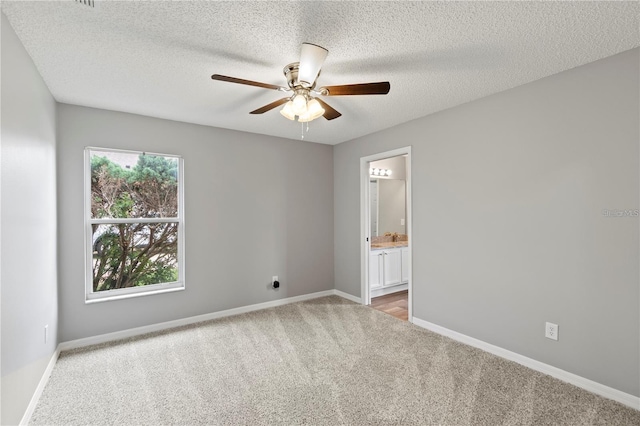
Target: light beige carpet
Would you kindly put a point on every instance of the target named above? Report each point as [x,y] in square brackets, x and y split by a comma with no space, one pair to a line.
[323,362]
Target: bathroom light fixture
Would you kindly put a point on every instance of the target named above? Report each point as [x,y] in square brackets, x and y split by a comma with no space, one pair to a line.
[379,172]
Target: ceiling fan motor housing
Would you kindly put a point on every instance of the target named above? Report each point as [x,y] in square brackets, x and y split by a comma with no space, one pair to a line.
[291,74]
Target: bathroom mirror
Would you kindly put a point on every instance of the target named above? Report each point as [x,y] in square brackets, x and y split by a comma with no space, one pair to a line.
[388,206]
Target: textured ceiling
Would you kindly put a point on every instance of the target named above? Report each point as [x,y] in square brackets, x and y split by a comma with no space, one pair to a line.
[156,58]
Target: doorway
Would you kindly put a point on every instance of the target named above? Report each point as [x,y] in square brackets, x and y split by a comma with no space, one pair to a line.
[385,195]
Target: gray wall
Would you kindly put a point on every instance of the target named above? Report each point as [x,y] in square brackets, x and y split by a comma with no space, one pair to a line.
[507,225]
[255,206]
[28,224]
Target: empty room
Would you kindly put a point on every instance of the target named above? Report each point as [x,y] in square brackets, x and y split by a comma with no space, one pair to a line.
[320,212]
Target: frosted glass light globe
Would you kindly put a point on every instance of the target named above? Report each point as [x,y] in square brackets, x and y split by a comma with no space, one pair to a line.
[287,111]
[299,105]
[314,110]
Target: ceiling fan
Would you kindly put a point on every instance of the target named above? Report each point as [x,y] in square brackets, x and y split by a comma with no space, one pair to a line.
[303,102]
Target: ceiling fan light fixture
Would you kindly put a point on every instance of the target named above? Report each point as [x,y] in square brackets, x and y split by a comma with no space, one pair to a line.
[314,110]
[287,111]
[299,104]
[311,59]
[301,76]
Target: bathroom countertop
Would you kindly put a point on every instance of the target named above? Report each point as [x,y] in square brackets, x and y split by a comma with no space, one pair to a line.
[381,246]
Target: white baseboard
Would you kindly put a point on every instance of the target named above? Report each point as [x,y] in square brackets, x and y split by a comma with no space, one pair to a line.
[581,382]
[347,296]
[132,332]
[43,382]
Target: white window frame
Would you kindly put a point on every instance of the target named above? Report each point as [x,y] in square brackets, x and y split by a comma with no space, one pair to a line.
[125,293]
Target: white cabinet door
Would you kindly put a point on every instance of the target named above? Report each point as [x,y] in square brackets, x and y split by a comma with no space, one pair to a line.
[375,266]
[405,265]
[392,267]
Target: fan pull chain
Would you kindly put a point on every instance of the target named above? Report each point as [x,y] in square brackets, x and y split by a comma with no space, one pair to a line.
[302,130]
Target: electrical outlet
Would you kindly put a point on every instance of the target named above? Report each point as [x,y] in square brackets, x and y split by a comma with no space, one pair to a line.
[46,332]
[551,331]
[401,222]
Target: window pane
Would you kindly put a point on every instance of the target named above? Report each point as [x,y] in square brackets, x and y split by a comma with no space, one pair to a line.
[132,185]
[134,254]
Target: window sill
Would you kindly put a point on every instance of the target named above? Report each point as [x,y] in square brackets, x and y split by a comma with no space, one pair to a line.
[132,295]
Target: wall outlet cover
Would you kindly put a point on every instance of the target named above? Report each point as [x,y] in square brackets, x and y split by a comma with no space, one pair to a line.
[551,331]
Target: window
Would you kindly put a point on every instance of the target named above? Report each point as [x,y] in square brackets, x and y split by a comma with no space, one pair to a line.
[134,223]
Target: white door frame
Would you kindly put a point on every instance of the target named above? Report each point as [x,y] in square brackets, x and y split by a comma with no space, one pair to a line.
[365,226]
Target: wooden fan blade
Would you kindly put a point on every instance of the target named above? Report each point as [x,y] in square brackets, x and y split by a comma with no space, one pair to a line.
[269,107]
[247,82]
[329,112]
[380,88]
